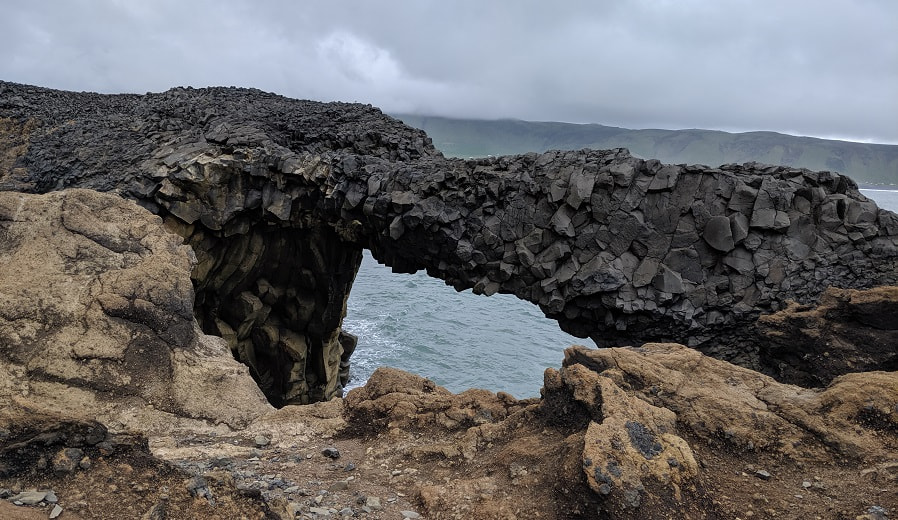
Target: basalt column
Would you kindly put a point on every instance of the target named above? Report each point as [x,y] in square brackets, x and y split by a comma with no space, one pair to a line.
[278,297]
[272,279]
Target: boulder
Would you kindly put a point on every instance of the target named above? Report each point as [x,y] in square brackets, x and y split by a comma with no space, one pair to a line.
[96,319]
[718,234]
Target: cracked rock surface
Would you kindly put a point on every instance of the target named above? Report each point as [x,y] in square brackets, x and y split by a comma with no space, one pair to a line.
[96,316]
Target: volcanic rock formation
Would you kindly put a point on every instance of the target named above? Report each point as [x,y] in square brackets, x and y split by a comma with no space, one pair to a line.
[848,331]
[278,197]
[116,405]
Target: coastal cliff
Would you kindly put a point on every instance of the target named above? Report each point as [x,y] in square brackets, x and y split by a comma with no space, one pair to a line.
[278,197]
[108,382]
[122,322]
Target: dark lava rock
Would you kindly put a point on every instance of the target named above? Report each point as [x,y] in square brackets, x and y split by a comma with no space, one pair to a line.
[278,197]
[331,453]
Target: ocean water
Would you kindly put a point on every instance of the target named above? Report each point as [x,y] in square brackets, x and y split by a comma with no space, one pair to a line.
[886,199]
[460,340]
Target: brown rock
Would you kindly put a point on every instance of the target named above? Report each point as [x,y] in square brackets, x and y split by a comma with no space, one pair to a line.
[395,399]
[96,317]
[715,400]
[849,331]
[632,444]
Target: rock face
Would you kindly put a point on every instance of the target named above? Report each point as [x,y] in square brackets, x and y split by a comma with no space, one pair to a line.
[103,372]
[278,198]
[848,331]
[652,408]
[96,319]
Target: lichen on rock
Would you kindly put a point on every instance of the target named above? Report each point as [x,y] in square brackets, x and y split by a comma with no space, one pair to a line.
[96,317]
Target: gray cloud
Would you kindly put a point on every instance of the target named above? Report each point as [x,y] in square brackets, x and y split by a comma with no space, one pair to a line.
[824,68]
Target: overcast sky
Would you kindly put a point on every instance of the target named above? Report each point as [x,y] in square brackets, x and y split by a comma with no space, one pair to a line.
[817,67]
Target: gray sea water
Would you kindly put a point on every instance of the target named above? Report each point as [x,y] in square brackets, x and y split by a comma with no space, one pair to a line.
[886,199]
[460,340]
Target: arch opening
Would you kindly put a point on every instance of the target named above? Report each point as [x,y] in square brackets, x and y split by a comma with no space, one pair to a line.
[459,340]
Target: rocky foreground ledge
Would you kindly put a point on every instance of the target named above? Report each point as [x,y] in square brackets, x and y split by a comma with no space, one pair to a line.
[278,197]
[117,406]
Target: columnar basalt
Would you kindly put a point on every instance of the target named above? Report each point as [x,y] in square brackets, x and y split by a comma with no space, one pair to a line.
[626,251]
[278,198]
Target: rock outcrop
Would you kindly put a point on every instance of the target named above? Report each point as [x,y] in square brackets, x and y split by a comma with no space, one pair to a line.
[654,408]
[657,431]
[278,198]
[116,405]
[848,331]
[96,320]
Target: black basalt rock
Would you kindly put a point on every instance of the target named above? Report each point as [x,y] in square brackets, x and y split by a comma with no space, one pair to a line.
[278,198]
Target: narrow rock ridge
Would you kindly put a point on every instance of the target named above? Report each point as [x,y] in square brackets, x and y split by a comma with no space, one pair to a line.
[278,197]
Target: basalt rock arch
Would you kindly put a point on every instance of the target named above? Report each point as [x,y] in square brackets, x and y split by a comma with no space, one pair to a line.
[278,198]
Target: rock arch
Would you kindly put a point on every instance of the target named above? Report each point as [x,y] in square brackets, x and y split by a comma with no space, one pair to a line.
[278,197]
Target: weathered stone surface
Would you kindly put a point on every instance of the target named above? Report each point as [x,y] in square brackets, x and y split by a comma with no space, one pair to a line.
[640,404]
[713,399]
[718,234]
[632,445]
[393,399]
[849,331]
[96,319]
[278,198]
[637,421]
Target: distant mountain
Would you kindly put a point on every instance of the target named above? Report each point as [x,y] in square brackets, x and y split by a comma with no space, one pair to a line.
[865,163]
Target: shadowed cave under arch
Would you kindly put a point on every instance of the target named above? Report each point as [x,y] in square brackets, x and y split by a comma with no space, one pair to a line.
[278,198]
